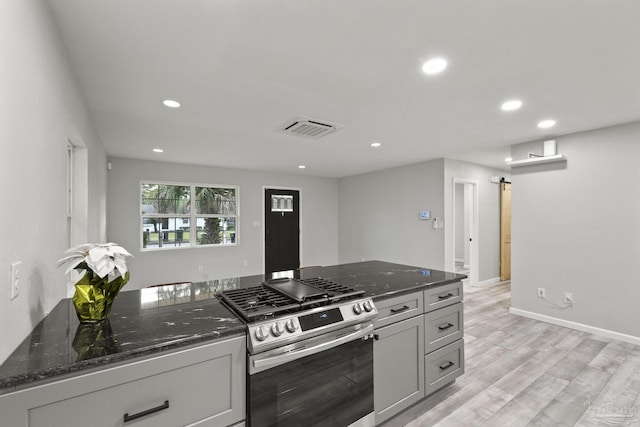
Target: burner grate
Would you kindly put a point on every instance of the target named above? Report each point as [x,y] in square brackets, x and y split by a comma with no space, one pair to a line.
[336,290]
[263,302]
[257,302]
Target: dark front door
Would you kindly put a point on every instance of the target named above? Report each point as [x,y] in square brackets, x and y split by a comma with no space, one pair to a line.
[282,230]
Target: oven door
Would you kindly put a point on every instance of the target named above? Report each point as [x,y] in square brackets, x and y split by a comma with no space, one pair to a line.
[322,381]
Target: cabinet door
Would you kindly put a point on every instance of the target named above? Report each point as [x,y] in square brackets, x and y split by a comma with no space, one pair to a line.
[398,367]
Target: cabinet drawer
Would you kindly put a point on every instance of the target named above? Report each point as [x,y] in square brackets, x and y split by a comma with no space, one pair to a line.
[398,308]
[443,366]
[202,393]
[443,327]
[442,296]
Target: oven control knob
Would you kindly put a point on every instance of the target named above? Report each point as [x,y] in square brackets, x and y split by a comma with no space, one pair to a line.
[277,329]
[367,306]
[292,325]
[357,309]
[262,333]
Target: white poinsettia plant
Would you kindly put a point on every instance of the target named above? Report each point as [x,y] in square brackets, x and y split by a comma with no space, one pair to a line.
[96,259]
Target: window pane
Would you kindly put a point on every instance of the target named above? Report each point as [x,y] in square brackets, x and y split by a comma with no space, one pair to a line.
[165,199]
[216,231]
[215,201]
[281,203]
[165,232]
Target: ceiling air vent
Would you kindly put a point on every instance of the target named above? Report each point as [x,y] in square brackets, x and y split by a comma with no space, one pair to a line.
[311,128]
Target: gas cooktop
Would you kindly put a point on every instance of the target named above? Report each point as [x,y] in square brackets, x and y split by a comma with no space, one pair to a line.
[279,297]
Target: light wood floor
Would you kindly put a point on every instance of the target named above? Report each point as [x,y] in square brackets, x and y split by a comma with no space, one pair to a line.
[522,372]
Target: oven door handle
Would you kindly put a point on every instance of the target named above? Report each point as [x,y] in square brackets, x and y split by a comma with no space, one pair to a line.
[262,364]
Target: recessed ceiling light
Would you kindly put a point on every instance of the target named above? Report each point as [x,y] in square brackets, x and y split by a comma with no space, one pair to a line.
[171,103]
[545,124]
[434,66]
[158,150]
[302,167]
[375,144]
[508,159]
[511,105]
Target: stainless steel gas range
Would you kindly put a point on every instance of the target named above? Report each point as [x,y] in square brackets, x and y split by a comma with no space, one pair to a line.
[309,352]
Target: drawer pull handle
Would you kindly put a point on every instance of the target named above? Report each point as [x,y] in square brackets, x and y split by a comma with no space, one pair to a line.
[128,417]
[444,327]
[400,310]
[447,365]
[447,296]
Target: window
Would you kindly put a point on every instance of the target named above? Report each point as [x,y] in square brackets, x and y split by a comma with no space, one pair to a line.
[182,215]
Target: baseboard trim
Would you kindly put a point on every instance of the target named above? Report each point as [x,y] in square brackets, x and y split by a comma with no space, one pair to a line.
[577,326]
[487,282]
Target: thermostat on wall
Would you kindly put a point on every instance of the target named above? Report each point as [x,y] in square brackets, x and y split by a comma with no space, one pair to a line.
[425,214]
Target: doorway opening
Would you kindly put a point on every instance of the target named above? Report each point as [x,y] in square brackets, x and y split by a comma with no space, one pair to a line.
[281,229]
[465,228]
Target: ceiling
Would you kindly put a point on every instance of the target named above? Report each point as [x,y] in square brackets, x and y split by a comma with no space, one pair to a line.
[242,68]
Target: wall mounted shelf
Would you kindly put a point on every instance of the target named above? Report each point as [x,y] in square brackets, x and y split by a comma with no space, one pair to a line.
[538,160]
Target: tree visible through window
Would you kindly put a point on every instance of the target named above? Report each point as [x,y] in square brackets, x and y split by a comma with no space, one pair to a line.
[178,215]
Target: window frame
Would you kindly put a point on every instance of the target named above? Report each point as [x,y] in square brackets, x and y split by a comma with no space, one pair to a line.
[192,215]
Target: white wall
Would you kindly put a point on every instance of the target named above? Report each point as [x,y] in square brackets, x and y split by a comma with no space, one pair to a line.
[318,217]
[41,109]
[488,215]
[379,215]
[575,229]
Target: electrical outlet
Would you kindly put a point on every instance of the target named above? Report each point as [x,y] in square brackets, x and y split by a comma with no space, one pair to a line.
[15,279]
[568,298]
[541,293]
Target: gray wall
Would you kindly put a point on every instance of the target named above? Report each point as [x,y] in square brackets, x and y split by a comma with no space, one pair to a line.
[319,217]
[488,215]
[41,109]
[575,229]
[379,215]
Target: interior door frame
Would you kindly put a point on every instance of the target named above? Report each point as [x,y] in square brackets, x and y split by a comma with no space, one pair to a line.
[474,259]
[264,212]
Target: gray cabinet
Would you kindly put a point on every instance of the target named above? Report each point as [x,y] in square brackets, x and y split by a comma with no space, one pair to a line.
[444,331]
[398,367]
[398,355]
[199,386]
[419,347]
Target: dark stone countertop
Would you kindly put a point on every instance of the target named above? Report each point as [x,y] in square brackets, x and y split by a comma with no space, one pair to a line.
[151,320]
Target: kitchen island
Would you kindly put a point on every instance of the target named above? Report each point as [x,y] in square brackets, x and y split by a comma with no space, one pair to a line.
[158,321]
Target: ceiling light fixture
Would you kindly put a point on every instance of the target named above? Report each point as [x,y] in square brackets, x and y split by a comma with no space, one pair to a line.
[434,66]
[546,124]
[375,144]
[511,105]
[171,103]
[302,167]
[158,150]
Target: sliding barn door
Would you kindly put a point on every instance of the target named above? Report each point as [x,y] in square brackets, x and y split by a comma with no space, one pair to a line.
[505,231]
